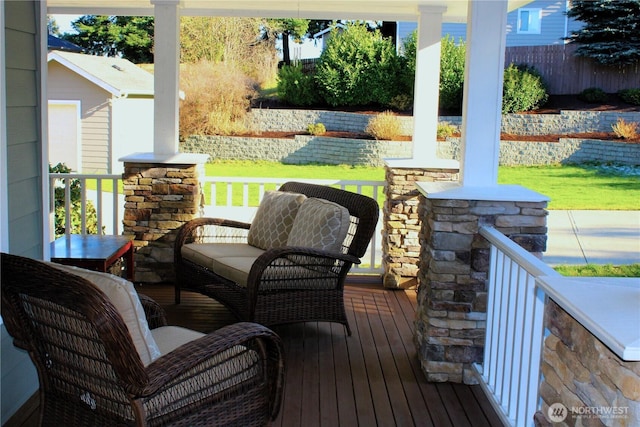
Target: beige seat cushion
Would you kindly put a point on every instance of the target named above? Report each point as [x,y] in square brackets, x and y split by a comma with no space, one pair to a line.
[320,224]
[230,260]
[124,297]
[271,226]
[233,366]
[168,338]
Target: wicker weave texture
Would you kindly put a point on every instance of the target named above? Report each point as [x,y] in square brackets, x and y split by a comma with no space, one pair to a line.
[90,373]
[285,284]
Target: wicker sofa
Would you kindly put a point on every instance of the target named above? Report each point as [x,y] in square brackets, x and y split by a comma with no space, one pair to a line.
[100,361]
[289,265]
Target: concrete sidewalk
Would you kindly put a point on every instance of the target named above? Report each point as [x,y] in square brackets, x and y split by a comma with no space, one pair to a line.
[593,237]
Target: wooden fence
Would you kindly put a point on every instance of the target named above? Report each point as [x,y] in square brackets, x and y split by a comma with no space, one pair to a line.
[565,73]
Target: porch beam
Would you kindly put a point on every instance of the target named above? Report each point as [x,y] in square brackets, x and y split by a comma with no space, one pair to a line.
[427,78]
[482,98]
[166,76]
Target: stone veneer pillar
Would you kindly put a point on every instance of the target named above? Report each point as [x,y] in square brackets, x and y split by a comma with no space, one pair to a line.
[453,269]
[401,221]
[160,196]
[585,376]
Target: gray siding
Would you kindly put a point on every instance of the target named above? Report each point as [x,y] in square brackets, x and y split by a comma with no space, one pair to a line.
[553,22]
[552,25]
[25,193]
[64,84]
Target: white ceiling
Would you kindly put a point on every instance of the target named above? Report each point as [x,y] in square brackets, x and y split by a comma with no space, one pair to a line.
[389,10]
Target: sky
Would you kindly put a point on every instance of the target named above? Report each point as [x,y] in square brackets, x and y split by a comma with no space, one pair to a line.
[306,50]
[64,22]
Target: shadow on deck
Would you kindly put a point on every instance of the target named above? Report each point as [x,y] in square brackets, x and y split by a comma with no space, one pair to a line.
[371,378]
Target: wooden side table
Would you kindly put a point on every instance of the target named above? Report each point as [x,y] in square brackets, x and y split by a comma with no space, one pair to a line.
[93,252]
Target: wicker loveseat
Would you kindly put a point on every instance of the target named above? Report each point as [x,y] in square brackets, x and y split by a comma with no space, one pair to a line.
[289,265]
[100,363]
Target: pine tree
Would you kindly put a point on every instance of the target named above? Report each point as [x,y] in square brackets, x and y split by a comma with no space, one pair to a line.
[611,34]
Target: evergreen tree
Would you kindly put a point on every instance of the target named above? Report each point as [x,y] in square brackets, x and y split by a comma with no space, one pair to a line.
[611,34]
[129,36]
[296,28]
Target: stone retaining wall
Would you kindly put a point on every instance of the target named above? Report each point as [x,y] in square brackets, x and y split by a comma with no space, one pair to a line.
[584,376]
[566,150]
[310,149]
[522,124]
[300,150]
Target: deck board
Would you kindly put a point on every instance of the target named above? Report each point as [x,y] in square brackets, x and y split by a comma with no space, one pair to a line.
[372,378]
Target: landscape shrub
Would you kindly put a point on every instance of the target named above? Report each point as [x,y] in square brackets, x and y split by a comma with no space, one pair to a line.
[631,96]
[593,95]
[452,58]
[523,89]
[406,79]
[358,67]
[316,129]
[295,87]
[217,98]
[402,102]
[384,126]
[625,130]
[76,205]
[446,130]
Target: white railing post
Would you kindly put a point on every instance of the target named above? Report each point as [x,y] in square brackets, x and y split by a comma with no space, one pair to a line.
[510,372]
[374,254]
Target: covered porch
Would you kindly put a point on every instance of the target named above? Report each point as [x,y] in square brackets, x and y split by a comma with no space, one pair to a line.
[472,183]
[370,378]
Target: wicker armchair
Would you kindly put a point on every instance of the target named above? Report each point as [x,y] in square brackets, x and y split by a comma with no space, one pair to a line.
[285,284]
[91,373]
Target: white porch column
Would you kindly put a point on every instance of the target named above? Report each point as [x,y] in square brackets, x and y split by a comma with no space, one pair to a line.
[166,76]
[482,99]
[427,79]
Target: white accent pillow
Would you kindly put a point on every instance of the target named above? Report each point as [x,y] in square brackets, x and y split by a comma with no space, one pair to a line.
[271,226]
[320,224]
[124,297]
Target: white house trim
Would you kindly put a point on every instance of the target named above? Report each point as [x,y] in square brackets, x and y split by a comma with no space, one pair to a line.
[482,97]
[166,77]
[47,214]
[4,183]
[426,88]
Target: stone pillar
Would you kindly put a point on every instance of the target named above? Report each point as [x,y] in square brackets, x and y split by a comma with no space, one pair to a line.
[159,198]
[582,376]
[401,222]
[453,273]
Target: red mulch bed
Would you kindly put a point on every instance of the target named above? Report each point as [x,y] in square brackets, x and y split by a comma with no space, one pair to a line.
[609,136]
[554,105]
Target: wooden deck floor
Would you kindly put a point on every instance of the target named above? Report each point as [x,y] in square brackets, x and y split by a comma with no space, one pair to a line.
[371,378]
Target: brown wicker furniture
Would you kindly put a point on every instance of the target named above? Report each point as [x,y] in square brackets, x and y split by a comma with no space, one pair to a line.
[285,284]
[91,372]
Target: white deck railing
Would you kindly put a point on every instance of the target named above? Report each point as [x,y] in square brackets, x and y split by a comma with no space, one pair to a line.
[510,372]
[109,204]
[106,199]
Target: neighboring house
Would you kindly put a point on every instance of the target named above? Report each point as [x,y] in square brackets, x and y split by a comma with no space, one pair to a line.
[312,47]
[54,43]
[100,109]
[540,22]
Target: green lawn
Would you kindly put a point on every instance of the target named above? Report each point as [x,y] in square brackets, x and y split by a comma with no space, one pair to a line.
[568,187]
[577,187]
[598,270]
[278,170]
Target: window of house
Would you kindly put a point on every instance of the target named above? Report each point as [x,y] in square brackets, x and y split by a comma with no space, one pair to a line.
[529,21]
